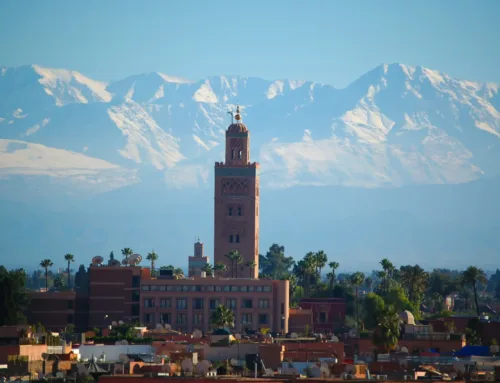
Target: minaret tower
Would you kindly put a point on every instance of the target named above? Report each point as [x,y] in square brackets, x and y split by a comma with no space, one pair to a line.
[236,208]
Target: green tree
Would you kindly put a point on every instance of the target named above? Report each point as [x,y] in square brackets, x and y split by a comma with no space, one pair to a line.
[275,263]
[222,317]
[13,296]
[251,268]
[238,260]
[373,306]
[320,260]
[59,282]
[414,279]
[220,268]
[357,279]
[46,263]
[127,252]
[388,273]
[387,331]
[472,276]
[207,268]
[331,276]
[69,258]
[152,257]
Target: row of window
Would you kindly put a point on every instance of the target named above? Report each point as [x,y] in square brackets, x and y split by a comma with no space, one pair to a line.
[225,288]
[198,319]
[234,238]
[237,211]
[198,303]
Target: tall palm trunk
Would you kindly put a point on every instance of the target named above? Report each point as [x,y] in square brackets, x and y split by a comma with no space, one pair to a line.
[357,312]
[236,270]
[475,298]
[46,279]
[69,279]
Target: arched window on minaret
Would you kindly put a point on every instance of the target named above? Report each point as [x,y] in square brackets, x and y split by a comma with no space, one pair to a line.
[240,154]
[233,154]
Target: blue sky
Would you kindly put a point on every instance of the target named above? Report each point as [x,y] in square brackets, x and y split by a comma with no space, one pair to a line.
[326,41]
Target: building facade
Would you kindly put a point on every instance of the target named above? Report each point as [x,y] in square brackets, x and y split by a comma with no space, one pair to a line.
[198,261]
[187,304]
[236,204]
[54,310]
[327,313]
[114,294]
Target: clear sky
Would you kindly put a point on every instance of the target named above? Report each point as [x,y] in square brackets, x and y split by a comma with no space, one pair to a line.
[326,41]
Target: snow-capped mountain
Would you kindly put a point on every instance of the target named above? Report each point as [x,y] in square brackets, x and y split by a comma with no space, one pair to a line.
[396,125]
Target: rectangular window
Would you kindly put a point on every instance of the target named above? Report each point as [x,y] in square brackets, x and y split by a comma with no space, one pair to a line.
[210,288]
[218,288]
[251,288]
[181,319]
[70,305]
[246,303]
[231,304]
[154,287]
[185,288]
[227,288]
[162,287]
[234,289]
[322,317]
[237,238]
[145,287]
[148,318]
[200,288]
[177,288]
[165,303]
[282,308]
[230,211]
[243,289]
[170,288]
[240,211]
[214,303]
[136,281]
[149,302]
[267,289]
[135,310]
[259,289]
[136,296]
[166,318]
[263,304]
[262,318]
[231,238]
[181,304]
[70,318]
[240,154]
[246,318]
[198,303]
[197,319]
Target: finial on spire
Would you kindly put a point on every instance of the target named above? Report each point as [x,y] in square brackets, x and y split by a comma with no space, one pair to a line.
[237,117]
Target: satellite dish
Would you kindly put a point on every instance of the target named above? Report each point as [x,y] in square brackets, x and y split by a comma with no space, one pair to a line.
[335,339]
[123,358]
[159,326]
[135,259]
[118,343]
[294,335]
[114,324]
[167,326]
[124,342]
[97,260]
[197,334]
[237,336]
[404,349]
[234,362]
[120,322]
[203,367]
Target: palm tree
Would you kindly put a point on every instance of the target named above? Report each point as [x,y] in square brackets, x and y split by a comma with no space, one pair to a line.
[222,317]
[386,333]
[309,270]
[69,258]
[238,259]
[153,257]
[220,268]
[233,256]
[46,263]
[414,279]
[207,268]
[331,275]
[320,259]
[251,266]
[178,273]
[389,272]
[369,283]
[357,279]
[127,252]
[471,276]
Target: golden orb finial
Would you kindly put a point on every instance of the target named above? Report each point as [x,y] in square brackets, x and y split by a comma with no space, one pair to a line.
[237,117]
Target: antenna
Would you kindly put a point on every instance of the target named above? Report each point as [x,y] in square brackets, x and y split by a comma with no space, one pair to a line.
[232,116]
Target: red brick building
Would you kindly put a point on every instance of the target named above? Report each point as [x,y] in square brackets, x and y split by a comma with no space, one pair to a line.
[327,313]
[55,310]
[236,203]
[113,294]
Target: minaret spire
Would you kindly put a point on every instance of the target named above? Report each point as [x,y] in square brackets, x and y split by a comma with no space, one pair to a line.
[238,116]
